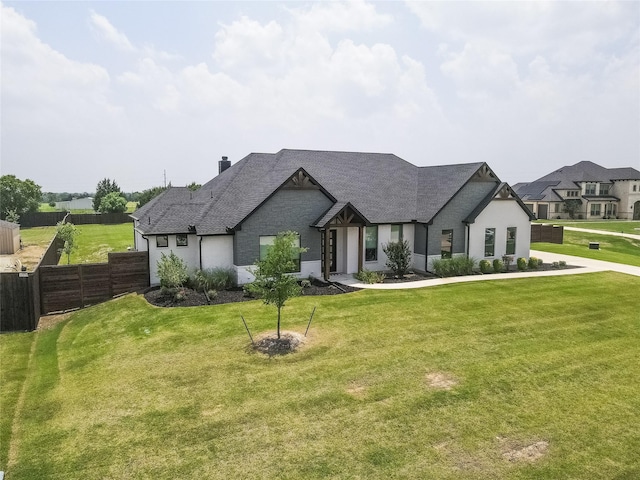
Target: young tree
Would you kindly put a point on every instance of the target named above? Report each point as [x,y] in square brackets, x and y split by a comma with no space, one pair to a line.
[104,187]
[113,202]
[572,206]
[68,233]
[273,280]
[398,257]
[19,196]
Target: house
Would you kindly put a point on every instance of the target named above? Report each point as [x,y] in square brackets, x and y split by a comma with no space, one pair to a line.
[344,205]
[9,237]
[594,191]
[85,203]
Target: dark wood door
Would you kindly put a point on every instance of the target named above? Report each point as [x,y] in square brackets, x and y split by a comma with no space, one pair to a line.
[333,237]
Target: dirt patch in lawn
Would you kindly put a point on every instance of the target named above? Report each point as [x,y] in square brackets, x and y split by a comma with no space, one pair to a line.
[528,453]
[269,344]
[50,321]
[357,390]
[29,256]
[441,380]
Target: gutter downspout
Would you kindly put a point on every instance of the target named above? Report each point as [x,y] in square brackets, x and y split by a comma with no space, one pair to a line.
[426,247]
[468,238]
[200,251]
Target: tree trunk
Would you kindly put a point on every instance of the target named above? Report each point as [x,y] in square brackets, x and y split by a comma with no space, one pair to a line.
[278,322]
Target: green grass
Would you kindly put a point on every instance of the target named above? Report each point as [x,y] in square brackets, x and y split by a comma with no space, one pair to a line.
[612,248]
[96,241]
[620,226]
[14,361]
[38,236]
[126,390]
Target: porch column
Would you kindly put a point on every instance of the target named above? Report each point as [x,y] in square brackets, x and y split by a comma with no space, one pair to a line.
[360,240]
[327,254]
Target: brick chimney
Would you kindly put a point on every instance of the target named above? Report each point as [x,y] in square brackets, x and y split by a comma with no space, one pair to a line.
[223,164]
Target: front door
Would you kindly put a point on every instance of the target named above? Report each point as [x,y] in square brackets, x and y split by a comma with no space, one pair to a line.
[543,211]
[333,240]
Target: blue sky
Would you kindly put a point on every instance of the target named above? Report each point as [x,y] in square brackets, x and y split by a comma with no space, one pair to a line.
[128,90]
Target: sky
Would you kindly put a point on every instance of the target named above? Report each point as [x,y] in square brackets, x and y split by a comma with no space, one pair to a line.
[134,91]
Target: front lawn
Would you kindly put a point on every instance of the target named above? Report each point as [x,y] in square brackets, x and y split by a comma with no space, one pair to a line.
[619,226]
[519,378]
[612,248]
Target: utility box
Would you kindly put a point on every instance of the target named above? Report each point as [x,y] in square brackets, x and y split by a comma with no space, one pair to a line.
[594,245]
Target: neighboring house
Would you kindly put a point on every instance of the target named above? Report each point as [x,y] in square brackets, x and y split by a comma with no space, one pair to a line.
[344,206]
[9,238]
[85,203]
[598,192]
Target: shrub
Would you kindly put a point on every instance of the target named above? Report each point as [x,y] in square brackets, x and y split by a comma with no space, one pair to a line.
[533,263]
[369,276]
[398,257]
[522,264]
[555,265]
[305,283]
[214,279]
[562,264]
[448,267]
[212,294]
[507,260]
[498,266]
[172,271]
[485,266]
[180,296]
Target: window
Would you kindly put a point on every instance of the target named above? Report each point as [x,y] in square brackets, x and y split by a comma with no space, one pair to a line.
[511,240]
[267,240]
[556,208]
[572,193]
[590,189]
[595,209]
[489,242]
[635,188]
[611,209]
[371,244]
[604,189]
[446,243]
[182,240]
[396,233]
[162,241]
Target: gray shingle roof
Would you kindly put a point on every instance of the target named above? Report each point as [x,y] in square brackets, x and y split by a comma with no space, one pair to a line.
[568,177]
[382,187]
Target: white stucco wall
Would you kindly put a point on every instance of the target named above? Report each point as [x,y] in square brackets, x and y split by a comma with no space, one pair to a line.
[307,269]
[384,237]
[500,214]
[217,251]
[189,254]
[139,241]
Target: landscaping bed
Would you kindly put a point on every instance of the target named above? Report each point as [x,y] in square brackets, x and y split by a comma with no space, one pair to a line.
[193,298]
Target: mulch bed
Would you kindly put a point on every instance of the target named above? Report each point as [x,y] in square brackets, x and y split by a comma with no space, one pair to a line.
[193,298]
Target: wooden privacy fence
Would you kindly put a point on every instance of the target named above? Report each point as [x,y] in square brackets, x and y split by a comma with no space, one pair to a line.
[19,301]
[20,293]
[65,287]
[546,233]
[49,219]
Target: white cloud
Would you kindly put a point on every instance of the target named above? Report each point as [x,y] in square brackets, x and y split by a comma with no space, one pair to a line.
[103,28]
[353,15]
[247,42]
